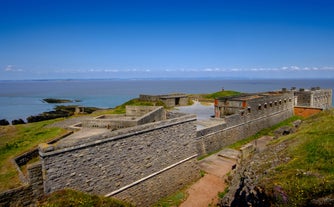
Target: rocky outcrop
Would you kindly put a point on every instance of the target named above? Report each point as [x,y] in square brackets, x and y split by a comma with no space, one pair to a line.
[55,100]
[4,122]
[59,112]
[18,121]
[245,186]
[48,115]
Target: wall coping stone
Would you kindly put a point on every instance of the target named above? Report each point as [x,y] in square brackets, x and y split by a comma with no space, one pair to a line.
[234,126]
[45,150]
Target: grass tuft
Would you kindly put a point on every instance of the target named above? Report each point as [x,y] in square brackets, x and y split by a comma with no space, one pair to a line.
[70,197]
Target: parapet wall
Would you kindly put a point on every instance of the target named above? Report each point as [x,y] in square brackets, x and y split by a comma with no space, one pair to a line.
[135,115]
[218,139]
[319,98]
[112,163]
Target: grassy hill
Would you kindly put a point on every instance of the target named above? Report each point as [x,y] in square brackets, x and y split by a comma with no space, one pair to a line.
[309,173]
[295,170]
[16,139]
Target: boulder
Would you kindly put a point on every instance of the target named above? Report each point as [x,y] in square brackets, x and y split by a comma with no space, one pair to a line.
[4,122]
[284,130]
[17,121]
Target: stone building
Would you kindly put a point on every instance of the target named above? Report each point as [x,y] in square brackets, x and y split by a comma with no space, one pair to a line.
[253,104]
[170,100]
[316,98]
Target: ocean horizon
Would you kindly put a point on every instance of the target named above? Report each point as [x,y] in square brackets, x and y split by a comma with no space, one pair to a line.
[20,99]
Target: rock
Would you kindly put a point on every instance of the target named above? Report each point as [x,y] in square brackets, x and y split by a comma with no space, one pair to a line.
[297,123]
[4,122]
[54,100]
[245,188]
[284,130]
[323,201]
[18,121]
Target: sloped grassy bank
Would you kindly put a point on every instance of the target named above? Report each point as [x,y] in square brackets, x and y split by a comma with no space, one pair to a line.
[296,170]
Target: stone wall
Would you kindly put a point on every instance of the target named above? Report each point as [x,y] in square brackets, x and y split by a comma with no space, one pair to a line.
[262,113]
[135,115]
[28,194]
[111,163]
[170,100]
[253,104]
[175,101]
[162,184]
[319,98]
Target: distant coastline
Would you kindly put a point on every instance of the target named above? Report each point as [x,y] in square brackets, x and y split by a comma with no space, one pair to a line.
[22,98]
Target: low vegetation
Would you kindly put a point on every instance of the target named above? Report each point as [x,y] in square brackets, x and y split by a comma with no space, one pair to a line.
[69,197]
[221,94]
[309,174]
[173,200]
[135,102]
[14,140]
[212,96]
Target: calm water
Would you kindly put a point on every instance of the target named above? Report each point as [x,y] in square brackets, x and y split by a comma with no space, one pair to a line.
[20,99]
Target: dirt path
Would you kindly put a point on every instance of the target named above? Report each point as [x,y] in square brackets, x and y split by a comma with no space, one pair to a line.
[205,191]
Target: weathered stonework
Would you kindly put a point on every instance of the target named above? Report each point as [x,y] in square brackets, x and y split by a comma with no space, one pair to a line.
[147,153]
[110,163]
[247,115]
[28,194]
[316,97]
[170,100]
[135,115]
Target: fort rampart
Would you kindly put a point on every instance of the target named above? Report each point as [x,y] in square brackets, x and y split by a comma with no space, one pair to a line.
[260,112]
[28,194]
[149,155]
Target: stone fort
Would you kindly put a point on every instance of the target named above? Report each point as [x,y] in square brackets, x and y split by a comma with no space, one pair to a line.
[149,152]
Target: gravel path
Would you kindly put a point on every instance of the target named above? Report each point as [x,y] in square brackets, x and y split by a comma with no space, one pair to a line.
[69,121]
[202,111]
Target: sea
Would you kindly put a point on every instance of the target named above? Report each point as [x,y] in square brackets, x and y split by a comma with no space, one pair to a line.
[23,98]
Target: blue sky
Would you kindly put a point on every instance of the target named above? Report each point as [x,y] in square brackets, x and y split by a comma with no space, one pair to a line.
[44,39]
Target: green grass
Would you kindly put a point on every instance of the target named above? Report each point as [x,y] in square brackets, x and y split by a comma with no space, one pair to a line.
[212,96]
[73,198]
[222,194]
[173,200]
[310,172]
[135,102]
[221,94]
[14,140]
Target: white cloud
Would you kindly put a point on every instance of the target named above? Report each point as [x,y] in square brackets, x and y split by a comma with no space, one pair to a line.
[12,68]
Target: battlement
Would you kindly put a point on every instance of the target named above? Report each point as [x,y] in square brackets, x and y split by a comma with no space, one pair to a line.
[253,104]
